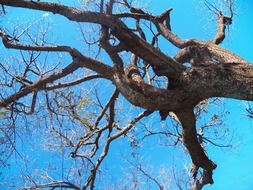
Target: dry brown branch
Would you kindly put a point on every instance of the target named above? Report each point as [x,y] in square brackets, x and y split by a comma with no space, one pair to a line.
[212,71]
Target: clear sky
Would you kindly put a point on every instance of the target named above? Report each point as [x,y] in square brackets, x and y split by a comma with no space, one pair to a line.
[190,19]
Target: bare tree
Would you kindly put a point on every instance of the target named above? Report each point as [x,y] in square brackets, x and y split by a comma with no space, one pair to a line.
[148,79]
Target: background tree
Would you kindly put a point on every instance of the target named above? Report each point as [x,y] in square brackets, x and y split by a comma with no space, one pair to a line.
[51,90]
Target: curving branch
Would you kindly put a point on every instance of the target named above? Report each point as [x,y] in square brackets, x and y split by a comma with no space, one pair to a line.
[41,84]
[147,96]
[223,22]
[213,72]
[132,42]
[162,23]
[91,180]
[111,50]
[196,151]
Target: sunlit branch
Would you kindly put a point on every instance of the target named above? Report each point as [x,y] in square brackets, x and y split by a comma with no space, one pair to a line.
[223,22]
[196,151]
[131,41]
[200,70]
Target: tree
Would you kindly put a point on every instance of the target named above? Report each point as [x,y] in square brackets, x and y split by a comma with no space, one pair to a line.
[152,80]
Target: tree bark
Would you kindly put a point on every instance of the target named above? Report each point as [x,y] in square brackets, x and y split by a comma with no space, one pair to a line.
[213,72]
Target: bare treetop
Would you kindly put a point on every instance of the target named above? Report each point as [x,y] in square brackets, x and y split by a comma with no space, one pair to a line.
[175,86]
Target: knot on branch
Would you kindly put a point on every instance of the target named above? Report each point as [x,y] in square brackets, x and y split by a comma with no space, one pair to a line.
[197,55]
[227,20]
[132,72]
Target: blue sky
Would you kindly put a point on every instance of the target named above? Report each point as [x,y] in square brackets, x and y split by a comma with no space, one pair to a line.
[189,20]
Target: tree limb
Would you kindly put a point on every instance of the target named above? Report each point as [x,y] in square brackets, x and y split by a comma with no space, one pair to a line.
[196,151]
[132,42]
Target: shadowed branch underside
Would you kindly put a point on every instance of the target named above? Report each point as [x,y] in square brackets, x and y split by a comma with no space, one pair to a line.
[213,72]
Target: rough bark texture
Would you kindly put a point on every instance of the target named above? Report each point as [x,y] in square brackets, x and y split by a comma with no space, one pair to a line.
[213,72]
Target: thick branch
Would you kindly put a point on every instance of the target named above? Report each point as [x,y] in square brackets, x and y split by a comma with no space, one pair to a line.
[149,97]
[229,79]
[190,140]
[79,62]
[133,43]
[41,83]
[196,151]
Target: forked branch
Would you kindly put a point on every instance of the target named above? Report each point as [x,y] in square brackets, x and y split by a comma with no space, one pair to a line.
[111,137]
[223,21]
[126,36]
